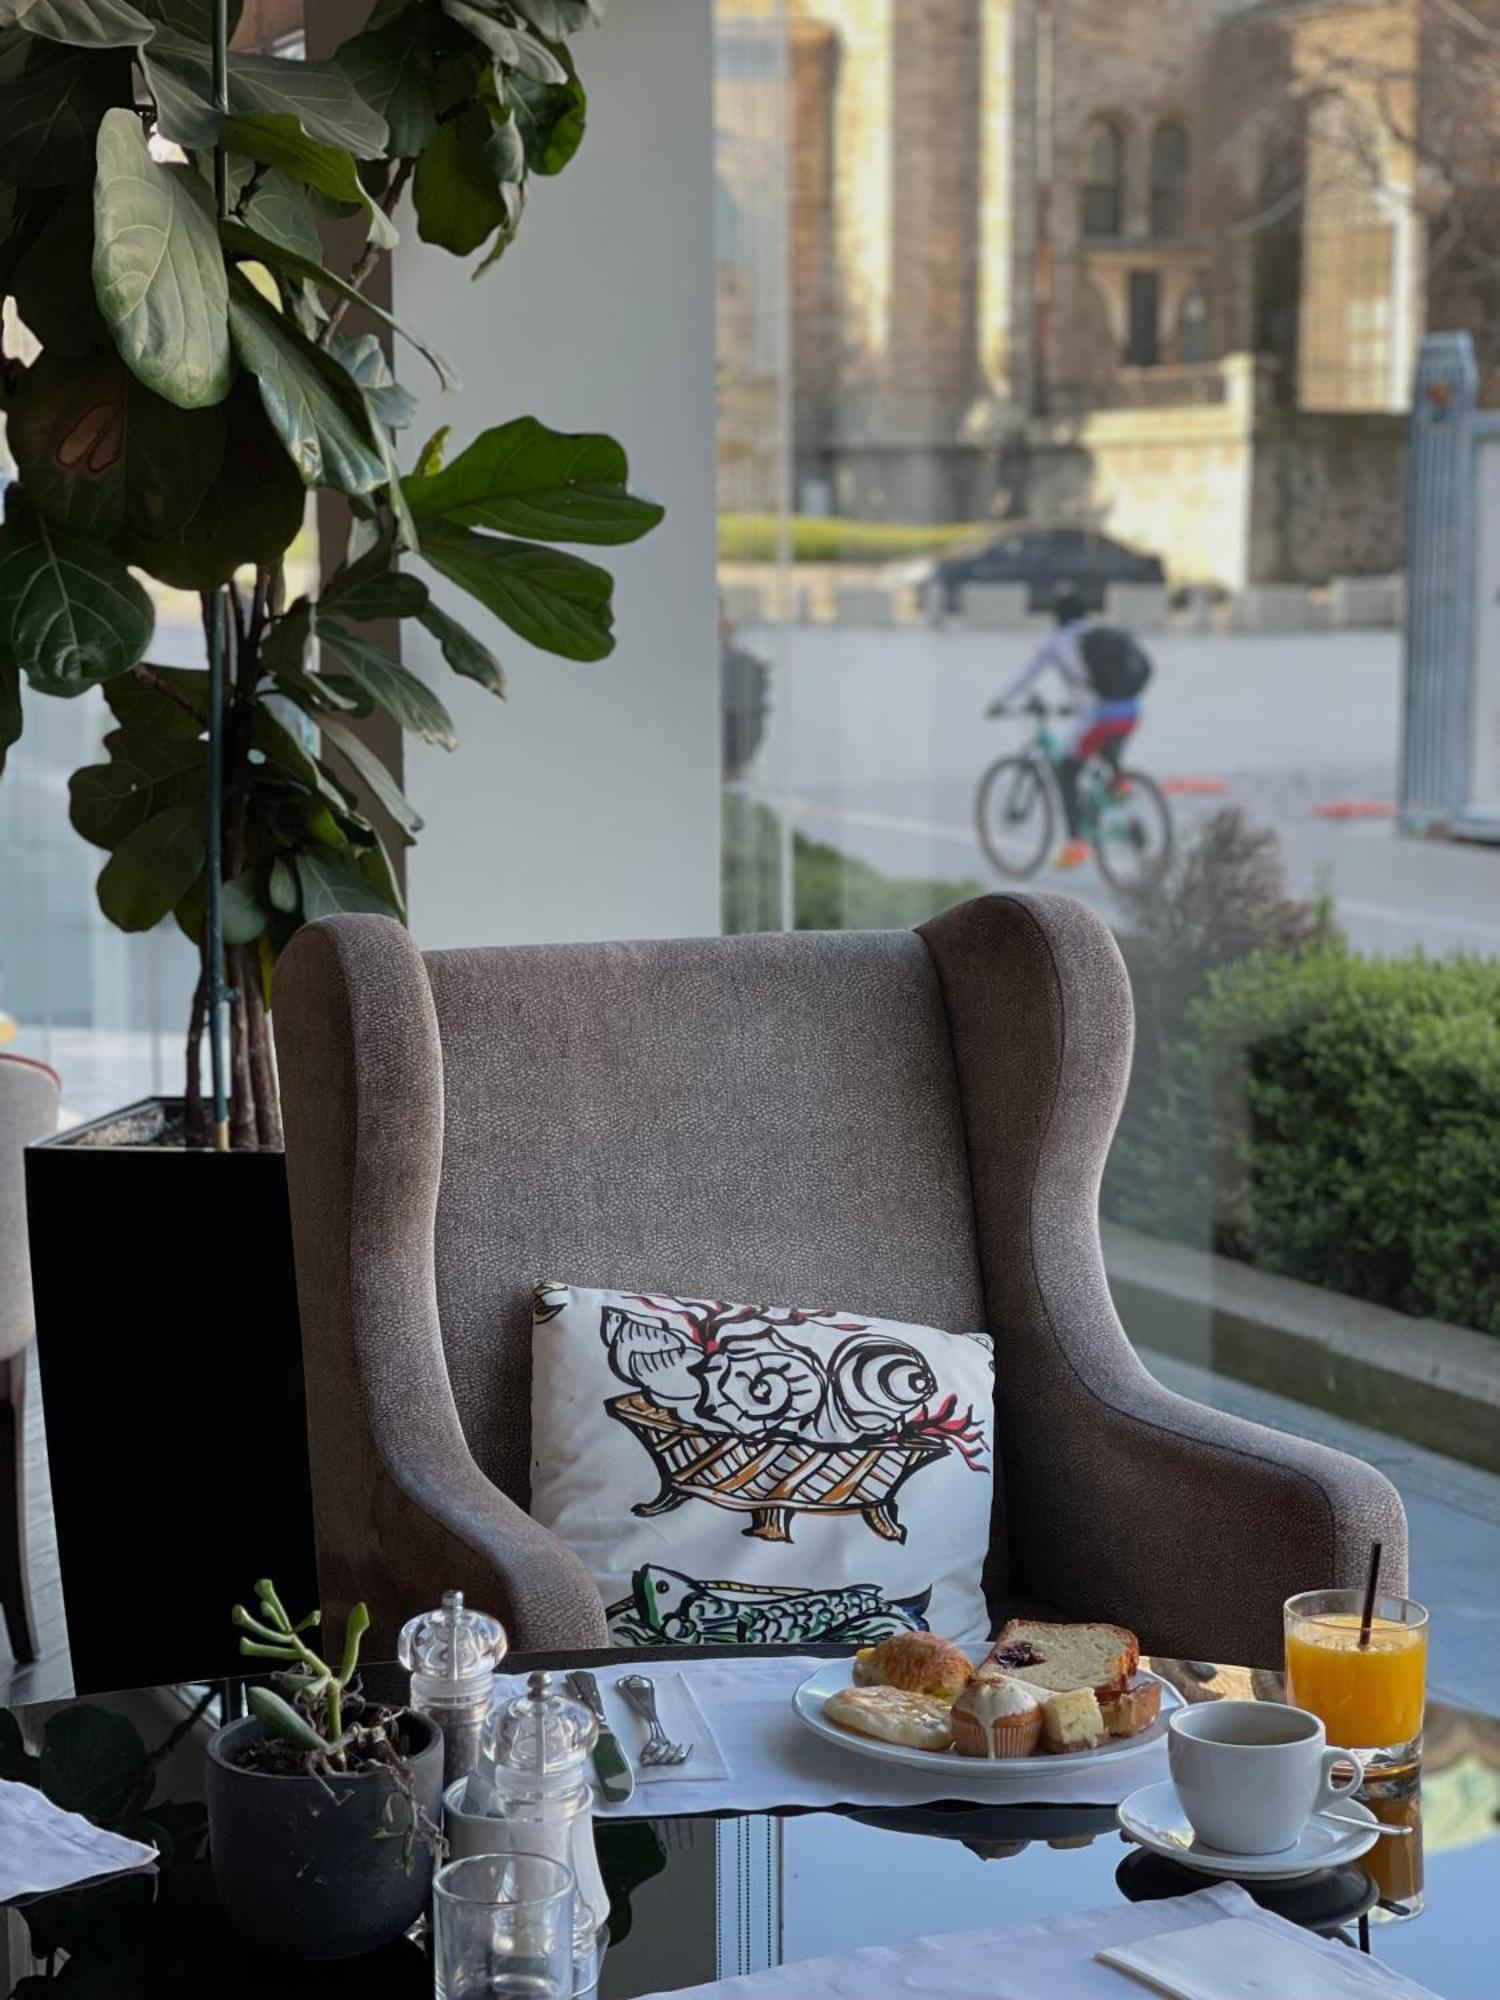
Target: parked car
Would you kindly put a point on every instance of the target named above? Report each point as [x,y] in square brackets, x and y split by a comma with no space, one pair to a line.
[1045,559]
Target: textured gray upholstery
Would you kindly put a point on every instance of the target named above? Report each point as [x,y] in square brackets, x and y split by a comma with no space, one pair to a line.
[29,1095]
[908,1124]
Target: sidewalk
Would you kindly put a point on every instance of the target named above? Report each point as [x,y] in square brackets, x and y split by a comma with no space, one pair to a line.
[1454,1516]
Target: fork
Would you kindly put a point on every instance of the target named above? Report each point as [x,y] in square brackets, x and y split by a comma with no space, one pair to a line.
[658,1748]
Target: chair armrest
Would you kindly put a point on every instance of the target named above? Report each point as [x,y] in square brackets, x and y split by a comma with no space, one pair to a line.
[454,1529]
[1121,1499]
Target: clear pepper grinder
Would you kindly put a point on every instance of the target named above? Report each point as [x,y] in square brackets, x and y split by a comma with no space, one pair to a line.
[451,1655]
[535,1754]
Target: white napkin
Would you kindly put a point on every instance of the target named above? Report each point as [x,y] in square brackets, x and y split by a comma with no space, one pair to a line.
[1236,1959]
[764,1757]
[1057,1957]
[42,1847]
[680,1716]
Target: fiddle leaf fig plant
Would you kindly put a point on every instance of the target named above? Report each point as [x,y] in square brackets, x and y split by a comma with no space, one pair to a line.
[179,375]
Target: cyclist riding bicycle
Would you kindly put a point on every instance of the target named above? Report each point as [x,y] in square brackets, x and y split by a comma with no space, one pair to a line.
[1105,669]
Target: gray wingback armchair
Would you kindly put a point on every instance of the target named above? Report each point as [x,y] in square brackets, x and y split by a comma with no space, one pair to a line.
[904,1123]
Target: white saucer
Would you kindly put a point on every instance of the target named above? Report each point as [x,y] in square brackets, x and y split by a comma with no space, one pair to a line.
[1154,1818]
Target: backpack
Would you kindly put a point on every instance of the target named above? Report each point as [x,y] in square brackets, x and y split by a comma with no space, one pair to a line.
[1116,663]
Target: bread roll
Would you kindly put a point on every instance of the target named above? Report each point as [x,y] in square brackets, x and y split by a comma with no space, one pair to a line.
[918,1662]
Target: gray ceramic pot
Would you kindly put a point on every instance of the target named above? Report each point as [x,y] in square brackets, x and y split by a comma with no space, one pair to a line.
[304,1874]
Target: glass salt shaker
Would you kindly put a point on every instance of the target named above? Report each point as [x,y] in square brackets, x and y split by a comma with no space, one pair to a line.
[451,1655]
[535,1754]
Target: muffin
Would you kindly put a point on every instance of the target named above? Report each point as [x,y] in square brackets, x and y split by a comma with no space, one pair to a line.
[916,1662]
[996,1717]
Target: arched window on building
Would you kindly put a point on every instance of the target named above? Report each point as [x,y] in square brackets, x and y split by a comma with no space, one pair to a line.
[1169,169]
[1103,179]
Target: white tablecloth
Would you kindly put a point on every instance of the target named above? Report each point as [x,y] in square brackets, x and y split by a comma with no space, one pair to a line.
[774,1759]
[1050,1960]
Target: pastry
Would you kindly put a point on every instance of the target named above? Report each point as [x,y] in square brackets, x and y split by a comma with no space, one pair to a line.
[919,1662]
[1136,1709]
[893,1716]
[996,1717]
[1062,1657]
[1071,1721]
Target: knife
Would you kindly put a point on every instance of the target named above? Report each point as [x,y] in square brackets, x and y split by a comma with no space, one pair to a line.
[616,1778]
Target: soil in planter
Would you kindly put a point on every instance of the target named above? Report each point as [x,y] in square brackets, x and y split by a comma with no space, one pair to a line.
[273,1756]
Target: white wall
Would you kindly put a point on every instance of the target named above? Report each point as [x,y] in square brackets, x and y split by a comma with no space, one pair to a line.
[586,804]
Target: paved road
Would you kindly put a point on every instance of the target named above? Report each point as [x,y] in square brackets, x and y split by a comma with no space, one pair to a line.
[877,739]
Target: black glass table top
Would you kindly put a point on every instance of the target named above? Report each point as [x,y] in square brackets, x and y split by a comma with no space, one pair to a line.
[706,1897]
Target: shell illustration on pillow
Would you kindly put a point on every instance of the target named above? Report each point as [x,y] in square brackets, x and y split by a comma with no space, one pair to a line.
[734,1411]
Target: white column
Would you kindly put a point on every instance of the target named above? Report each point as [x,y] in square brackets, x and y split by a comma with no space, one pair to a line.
[586,805]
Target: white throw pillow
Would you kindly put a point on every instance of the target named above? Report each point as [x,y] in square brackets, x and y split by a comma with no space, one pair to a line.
[760,1474]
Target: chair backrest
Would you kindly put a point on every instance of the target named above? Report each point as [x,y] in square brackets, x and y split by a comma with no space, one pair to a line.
[771,1119]
[29,1097]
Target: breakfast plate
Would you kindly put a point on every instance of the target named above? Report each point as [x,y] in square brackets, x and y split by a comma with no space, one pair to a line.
[810,1697]
[1153,1817]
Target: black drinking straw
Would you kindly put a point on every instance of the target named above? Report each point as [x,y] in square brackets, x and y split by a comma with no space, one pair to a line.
[1371,1582]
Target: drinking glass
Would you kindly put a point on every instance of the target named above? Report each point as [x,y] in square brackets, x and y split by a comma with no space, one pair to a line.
[503,1928]
[1368,1698]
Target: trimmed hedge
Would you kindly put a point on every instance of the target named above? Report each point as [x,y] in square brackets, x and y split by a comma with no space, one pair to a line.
[831,539]
[1336,1119]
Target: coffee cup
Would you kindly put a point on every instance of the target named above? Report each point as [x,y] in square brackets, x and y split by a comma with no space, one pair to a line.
[1249,1774]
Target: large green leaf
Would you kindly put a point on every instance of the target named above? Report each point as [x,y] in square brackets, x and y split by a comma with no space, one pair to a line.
[328,887]
[556,18]
[373,775]
[524,479]
[391,68]
[107,802]
[50,113]
[318,95]
[363,359]
[463,652]
[53,280]
[242,241]
[71,614]
[142,702]
[97,451]
[94,1763]
[459,190]
[316,411]
[378,594]
[193,18]
[283,213]
[251,513]
[525,53]
[81,24]
[158,270]
[277,140]
[552,118]
[388,683]
[557,601]
[153,868]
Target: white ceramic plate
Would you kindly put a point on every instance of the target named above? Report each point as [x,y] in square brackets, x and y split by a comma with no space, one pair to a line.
[1154,1818]
[809,1699]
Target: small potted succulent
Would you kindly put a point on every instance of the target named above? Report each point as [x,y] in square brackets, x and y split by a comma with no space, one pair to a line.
[322,1804]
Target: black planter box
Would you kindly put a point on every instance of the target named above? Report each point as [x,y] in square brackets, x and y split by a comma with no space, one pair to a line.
[171,1364]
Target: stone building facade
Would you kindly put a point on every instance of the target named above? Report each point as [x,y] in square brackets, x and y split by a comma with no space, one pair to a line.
[1026,240]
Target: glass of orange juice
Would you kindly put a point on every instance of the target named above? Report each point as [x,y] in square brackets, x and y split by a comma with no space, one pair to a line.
[1369,1698]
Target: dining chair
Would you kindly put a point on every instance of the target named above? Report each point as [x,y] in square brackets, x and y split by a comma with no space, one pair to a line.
[910,1124]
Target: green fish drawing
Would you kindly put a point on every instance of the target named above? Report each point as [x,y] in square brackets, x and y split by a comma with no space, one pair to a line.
[666,1608]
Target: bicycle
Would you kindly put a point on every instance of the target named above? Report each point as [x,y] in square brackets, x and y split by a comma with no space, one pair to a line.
[1121,813]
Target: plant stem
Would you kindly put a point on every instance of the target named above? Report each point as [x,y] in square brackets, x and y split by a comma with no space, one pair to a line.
[371,255]
[262,1064]
[195,1128]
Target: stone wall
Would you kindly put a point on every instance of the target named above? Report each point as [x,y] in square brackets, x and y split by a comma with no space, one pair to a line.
[1238,492]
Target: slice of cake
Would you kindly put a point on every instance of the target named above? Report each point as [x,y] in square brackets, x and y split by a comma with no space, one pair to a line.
[1136,1709]
[1071,1721]
[1060,1657]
